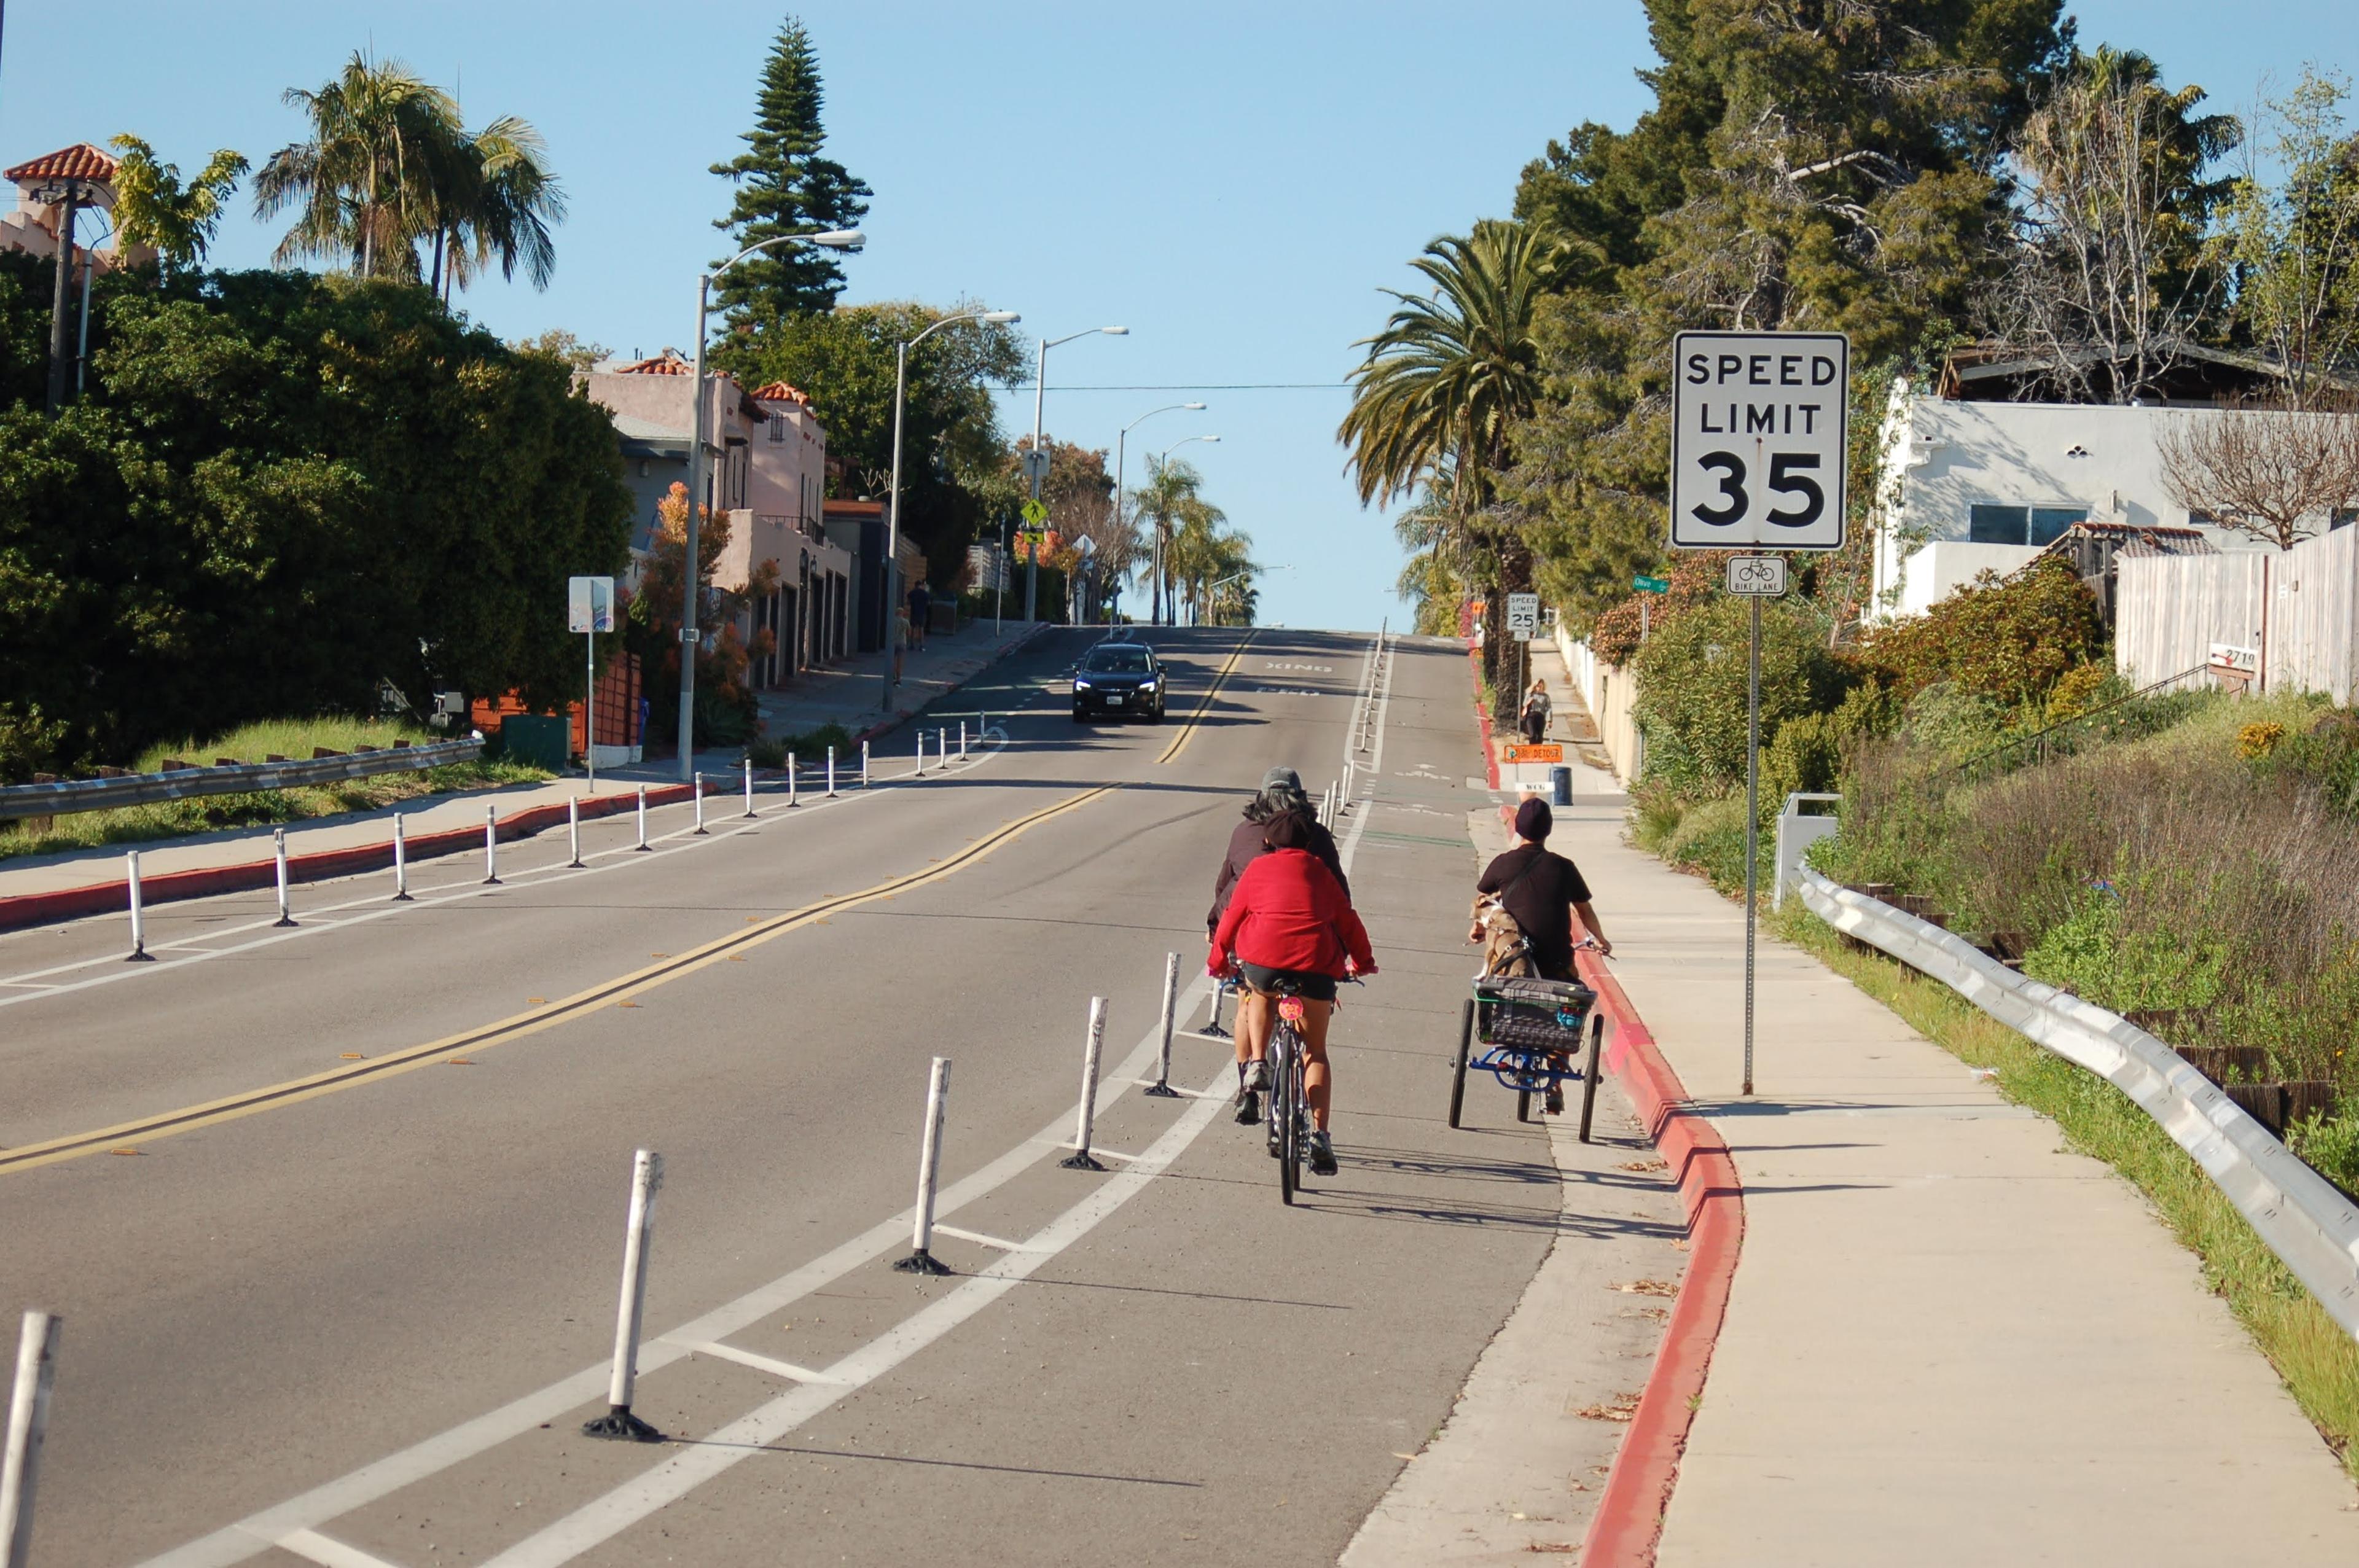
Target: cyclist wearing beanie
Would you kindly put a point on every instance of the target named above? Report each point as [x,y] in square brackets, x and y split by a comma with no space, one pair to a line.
[1543,891]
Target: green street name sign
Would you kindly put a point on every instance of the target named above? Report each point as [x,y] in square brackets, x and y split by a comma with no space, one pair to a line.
[1651,584]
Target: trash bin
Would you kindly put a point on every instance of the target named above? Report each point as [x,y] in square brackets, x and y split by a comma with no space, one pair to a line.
[1561,785]
[539,740]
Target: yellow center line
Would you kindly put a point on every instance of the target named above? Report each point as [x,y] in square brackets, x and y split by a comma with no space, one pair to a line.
[1187,729]
[624,990]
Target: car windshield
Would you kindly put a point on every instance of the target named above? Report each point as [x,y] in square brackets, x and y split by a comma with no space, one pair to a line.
[1118,659]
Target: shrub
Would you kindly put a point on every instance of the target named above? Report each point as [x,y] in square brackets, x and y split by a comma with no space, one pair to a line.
[2082,687]
[1806,755]
[2255,742]
[1691,693]
[2330,1145]
[2009,640]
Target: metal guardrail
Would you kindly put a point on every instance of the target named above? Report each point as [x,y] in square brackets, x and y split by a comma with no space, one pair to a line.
[184,783]
[2301,1216]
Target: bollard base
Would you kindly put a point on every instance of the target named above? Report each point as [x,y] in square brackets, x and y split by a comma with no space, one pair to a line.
[1160,1089]
[1079,1161]
[488,882]
[619,1424]
[401,898]
[1213,1031]
[282,923]
[922,1262]
[141,957]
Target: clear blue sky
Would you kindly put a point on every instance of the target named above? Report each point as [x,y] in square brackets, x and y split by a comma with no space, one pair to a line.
[1233,182]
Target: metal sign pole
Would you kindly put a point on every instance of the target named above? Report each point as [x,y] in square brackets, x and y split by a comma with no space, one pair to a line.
[590,706]
[1752,823]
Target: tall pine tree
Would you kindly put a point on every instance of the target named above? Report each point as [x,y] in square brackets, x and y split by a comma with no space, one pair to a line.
[786,187]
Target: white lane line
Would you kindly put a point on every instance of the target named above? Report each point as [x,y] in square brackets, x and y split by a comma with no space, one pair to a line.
[604,1517]
[377,907]
[330,1553]
[771,1365]
[980,1240]
[332,1500]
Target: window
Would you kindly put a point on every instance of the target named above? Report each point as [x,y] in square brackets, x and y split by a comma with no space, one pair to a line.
[2342,517]
[2033,525]
[1120,658]
[777,430]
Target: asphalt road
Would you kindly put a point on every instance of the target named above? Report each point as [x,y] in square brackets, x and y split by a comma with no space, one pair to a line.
[335,1214]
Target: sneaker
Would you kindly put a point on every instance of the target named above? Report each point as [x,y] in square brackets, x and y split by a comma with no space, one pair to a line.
[1556,1102]
[1248,1109]
[1258,1075]
[1322,1155]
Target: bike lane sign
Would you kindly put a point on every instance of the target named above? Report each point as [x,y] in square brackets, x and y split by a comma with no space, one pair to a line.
[1758,440]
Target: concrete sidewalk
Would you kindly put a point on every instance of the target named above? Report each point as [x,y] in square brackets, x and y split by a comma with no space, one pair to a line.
[847,695]
[1949,1341]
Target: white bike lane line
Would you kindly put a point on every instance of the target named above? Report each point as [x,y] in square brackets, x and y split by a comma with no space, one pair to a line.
[294,1526]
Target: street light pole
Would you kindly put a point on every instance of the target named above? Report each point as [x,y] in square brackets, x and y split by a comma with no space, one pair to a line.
[691,569]
[1120,443]
[893,504]
[1039,394]
[1160,462]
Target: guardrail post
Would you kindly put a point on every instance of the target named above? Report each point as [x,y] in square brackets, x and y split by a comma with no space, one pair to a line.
[28,1424]
[1162,1088]
[1080,1159]
[921,1259]
[749,786]
[643,846]
[647,1176]
[696,787]
[794,783]
[400,861]
[573,830]
[139,954]
[278,857]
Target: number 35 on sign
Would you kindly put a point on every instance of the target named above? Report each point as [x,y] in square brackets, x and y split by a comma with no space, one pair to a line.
[1757,444]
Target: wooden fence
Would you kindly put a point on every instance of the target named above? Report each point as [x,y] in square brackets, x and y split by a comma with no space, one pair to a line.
[2294,609]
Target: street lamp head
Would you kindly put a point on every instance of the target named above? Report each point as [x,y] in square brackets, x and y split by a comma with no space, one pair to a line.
[1208,437]
[1196,406]
[840,240]
[1115,332]
[1000,317]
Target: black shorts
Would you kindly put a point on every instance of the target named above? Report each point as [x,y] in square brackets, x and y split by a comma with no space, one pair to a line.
[1310,986]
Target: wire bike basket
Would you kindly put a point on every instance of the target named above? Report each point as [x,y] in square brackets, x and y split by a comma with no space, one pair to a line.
[1528,1030]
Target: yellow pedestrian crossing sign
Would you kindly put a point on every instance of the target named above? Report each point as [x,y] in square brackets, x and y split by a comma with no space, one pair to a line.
[1034,514]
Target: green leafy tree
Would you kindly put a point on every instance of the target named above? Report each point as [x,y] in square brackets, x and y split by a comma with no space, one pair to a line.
[785,185]
[153,208]
[2293,246]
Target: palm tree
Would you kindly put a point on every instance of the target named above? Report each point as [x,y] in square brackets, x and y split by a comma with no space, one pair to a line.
[363,185]
[1444,383]
[390,169]
[1164,508]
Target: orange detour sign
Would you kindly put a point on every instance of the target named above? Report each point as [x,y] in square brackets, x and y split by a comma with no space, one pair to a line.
[1522,752]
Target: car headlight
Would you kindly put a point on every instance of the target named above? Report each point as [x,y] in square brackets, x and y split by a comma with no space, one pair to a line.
[1147,685]
[1081,683]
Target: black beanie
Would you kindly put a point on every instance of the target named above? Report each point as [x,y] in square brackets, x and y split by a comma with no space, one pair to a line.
[1533,819]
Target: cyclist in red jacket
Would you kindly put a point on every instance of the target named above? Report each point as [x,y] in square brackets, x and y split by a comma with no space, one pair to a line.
[1288,918]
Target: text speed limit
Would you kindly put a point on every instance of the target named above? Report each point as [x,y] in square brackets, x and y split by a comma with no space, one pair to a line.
[1757,440]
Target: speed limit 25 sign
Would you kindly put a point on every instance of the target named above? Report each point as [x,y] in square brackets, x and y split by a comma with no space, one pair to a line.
[1757,442]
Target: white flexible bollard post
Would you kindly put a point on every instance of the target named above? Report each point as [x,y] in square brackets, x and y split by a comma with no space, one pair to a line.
[491,846]
[647,1176]
[28,1424]
[921,1259]
[643,845]
[139,954]
[922,755]
[1162,1088]
[962,740]
[749,786]
[1086,1124]
[864,764]
[830,773]
[794,781]
[573,830]
[1212,1013]
[696,788]
[400,861]
[278,857]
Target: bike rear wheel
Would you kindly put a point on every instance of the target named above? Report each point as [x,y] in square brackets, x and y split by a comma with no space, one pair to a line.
[1458,1074]
[1589,1079]
[1286,1086]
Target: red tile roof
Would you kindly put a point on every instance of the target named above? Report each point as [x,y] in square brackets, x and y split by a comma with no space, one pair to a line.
[780,391]
[669,363]
[80,161]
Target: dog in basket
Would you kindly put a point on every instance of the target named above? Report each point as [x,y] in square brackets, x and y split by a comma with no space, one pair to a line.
[1505,951]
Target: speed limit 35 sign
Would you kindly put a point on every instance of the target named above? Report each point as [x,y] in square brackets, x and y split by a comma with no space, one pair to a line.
[1757,441]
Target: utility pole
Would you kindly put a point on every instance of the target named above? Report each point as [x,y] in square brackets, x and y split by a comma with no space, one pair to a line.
[69,195]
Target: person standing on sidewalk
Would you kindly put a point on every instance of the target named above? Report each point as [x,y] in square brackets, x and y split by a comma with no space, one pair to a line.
[921,600]
[1535,712]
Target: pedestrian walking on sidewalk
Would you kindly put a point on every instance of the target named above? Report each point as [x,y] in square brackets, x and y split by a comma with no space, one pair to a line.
[1535,712]
[921,602]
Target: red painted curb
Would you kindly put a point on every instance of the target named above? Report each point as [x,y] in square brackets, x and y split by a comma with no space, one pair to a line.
[1482,715]
[1629,1518]
[204,881]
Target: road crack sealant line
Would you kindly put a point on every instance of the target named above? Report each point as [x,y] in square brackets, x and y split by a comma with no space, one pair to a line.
[198,948]
[2299,1215]
[300,1518]
[519,1026]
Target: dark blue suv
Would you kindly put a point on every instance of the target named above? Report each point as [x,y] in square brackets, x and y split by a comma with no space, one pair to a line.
[1118,680]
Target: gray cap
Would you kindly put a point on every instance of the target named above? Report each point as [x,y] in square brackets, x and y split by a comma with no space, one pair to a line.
[1281,778]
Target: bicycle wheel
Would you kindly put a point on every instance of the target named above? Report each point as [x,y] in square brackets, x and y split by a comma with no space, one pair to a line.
[1287,1084]
[1589,1078]
[1458,1074]
[1274,1065]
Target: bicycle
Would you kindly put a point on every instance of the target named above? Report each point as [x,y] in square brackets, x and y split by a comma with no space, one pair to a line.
[1529,1030]
[1289,1094]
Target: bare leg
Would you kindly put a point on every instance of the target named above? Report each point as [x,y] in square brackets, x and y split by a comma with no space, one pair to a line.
[1253,1026]
[1317,1078]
